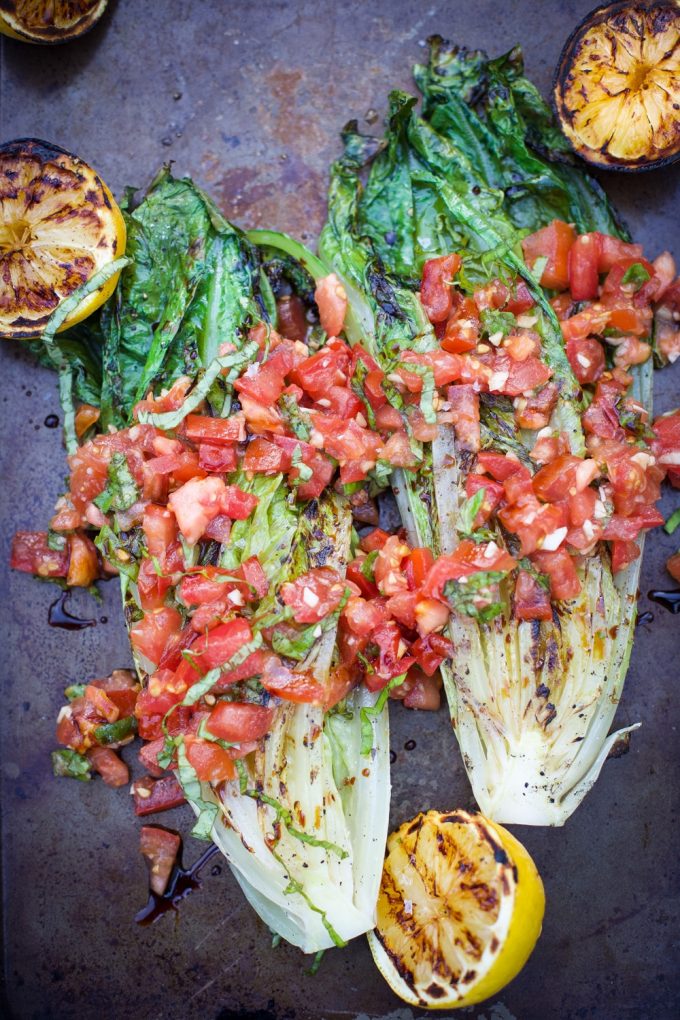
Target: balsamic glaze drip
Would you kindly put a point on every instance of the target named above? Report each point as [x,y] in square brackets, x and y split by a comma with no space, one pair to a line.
[183,881]
[644,618]
[670,600]
[51,421]
[410,745]
[393,757]
[59,616]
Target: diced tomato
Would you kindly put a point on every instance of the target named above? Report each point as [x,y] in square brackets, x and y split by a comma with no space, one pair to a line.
[374,540]
[422,430]
[328,367]
[218,529]
[389,576]
[160,849]
[101,703]
[623,554]
[373,389]
[31,554]
[109,765]
[121,688]
[217,459]
[331,299]
[160,530]
[518,485]
[592,319]
[627,317]
[354,574]
[148,756]
[613,250]
[464,401]
[498,465]
[494,494]
[236,722]
[615,289]
[534,522]
[420,560]
[522,343]
[340,400]
[555,481]
[292,318]
[534,412]
[250,667]
[430,650]
[445,367]
[262,383]
[620,528]
[219,431]
[494,295]
[462,327]
[583,259]
[313,595]
[151,585]
[215,648]
[586,357]
[430,615]
[673,566]
[600,419]
[265,457]
[402,607]
[363,616]
[437,284]
[204,585]
[522,376]
[666,445]
[582,507]
[151,634]
[83,566]
[211,763]
[152,795]
[424,693]
[392,659]
[298,687]
[469,558]
[195,504]
[397,451]
[560,569]
[89,472]
[531,600]
[554,243]
[521,300]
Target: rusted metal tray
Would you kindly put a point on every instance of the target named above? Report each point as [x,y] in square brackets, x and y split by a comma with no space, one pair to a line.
[249,98]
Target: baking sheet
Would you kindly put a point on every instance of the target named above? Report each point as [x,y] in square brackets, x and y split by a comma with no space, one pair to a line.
[249,99]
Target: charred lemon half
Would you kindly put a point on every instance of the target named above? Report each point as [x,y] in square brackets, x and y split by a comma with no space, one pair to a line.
[49,21]
[459,910]
[59,225]
[617,86]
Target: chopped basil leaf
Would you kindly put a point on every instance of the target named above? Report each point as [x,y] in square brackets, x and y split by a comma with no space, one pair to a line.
[428,390]
[69,763]
[494,321]
[113,548]
[368,564]
[189,782]
[468,511]
[635,276]
[673,522]
[74,691]
[295,416]
[368,714]
[476,595]
[55,541]
[121,491]
[113,733]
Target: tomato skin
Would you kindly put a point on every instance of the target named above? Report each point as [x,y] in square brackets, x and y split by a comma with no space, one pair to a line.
[554,242]
[375,539]
[614,289]
[328,367]
[362,617]
[420,561]
[217,647]
[296,686]
[390,662]
[560,569]
[531,600]
[151,634]
[628,528]
[402,607]
[613,250]
[148,756]
[436,286]
[387,570]
[468,558]
[582,266]
[666,444]
[236,722]
[592,319]
[586,357]
[498,465]
[313,595]
[153,795]
[534,412]
[160,848]
[31,554]
[341,401]
[521,300]
[554,481]
[355,576]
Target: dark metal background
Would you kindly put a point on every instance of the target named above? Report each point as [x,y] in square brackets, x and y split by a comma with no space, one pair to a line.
[249,98]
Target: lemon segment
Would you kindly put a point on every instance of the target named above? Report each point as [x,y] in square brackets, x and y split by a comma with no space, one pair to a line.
[59,225]
[459,911]
[49,21]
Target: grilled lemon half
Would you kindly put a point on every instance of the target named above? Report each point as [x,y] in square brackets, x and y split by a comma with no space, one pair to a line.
[459,910]
[49,21]
[617,86]
[59,224]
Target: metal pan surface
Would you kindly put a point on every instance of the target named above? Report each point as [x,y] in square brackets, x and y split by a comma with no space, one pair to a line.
[249,99]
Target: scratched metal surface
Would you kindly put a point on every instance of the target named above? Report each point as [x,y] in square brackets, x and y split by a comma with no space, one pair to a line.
[249,99]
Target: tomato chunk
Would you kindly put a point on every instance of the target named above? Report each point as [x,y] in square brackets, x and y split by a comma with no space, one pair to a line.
[31,554]
[559,566]
[313,595]
[554,243]
[211,763]
[160,849]
[109,765]
[236,722]
[152,795]
[532,600]
[437,284]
